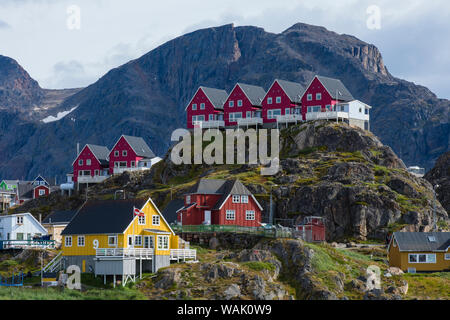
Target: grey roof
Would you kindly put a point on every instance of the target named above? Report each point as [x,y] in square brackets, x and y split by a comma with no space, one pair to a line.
[293,90]
[334,86]
[157,231]
[25,190]
[254,93]
[231,187]
[103,217]
[170,211]
[100,152]
[140,147]
[60,217]
[418,241]
[216,96]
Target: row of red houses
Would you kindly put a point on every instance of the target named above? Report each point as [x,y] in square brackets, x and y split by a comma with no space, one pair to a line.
[284,102]
[96,163]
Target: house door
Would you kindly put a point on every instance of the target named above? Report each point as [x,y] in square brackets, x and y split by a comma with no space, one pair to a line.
[130,242]
[207,217]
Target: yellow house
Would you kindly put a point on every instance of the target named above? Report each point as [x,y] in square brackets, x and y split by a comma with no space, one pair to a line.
[420,251]
[56,222]
[106,238]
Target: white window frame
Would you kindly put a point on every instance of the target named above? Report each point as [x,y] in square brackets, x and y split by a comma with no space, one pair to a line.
[447,256]
[230,215]
[188,199]
[248,114]
[141,220]
[318,96]
[157,217]
[115,241]
[271,113]
[244,199]
[287,111]
[80,162]
[211,117]
[163,242]
[232,116]
[202,106]
[81,241]
[309,97]
[19,220]
[236,198]
[41,192]
[68,241]
[124,153]
[239,103]
[427,255]
[250,215]
[138,241]
[116,153]
[194,106]
[278,100]
[269,100]
[231,104]
[88,162]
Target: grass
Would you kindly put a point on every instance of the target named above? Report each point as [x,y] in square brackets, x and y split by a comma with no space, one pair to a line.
[425,286]
[259,265]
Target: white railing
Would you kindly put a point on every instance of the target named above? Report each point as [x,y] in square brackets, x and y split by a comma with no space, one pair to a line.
[326,115]
[92,179]
[54,265]
[289,118]
[130,169]
[125,252]
[183,254]
[249,121]
[209,124]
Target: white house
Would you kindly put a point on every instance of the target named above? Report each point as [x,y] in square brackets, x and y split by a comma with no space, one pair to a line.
[18,230]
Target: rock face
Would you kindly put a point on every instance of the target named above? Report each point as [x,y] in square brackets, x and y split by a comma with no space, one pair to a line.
[440,175]
[147,96]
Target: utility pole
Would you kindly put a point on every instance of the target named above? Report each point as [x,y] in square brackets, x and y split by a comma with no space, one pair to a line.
[271,205]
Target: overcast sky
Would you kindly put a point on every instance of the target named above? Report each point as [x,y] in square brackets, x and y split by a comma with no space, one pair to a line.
[43,35]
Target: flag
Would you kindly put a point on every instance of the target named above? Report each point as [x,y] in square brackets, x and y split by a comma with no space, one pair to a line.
[138,212]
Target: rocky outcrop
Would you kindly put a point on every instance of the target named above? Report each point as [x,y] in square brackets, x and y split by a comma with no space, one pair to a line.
[440,175]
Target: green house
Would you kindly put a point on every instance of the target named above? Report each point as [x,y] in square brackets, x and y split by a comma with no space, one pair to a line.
[8,185]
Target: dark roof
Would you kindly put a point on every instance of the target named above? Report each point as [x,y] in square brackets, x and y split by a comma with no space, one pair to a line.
[418,241]
[100,152]
[103,216]
[216,96]
[231,187]
[60,217]
[170,211]
[254,93]
[25,190]
[293,90]
[140,147]
[334,86]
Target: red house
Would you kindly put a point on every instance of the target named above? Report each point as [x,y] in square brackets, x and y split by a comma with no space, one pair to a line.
[130,154]
[220,202]
[206,107]
[322,94]
[91,165]
[243,105]
[312,229]
[282,99]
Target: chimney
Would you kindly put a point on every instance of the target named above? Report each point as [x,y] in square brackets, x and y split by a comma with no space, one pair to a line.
[40,217]
[78,148]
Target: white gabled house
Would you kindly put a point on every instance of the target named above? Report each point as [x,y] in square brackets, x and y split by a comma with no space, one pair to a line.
[19,230]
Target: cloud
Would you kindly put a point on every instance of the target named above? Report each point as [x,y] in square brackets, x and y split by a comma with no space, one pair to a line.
[4,25]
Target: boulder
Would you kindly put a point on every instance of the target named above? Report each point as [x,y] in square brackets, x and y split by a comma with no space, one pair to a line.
[233,291]
[168,278]
[395,271]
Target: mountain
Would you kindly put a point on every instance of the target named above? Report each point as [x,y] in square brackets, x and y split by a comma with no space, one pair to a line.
[439,176]
[147,96]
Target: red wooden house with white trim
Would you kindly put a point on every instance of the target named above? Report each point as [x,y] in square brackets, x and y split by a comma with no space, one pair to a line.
[206,108]
[243,105]
[220,202]
[91,164]
[282,102]
[130,154]
[312,229]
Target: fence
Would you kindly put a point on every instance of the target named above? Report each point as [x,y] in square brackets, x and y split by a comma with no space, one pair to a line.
[26,244]
[14,281]
[273,232]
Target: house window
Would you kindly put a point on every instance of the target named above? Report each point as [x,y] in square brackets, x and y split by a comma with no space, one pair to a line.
[231,104]
[360,110]
[269,100]
[236,199]
[432,238]
[68,241]
[194,106]
[447,256]
[41,192]
[234,116]
[272,114]
[19,236]
[155,220]
[88,162]
[81,241]
[211,117]
[244,199]
[422,258]
[287,111]
[230,215]
[309,97]
[249,215]
[318,96]
[188,199]
[133,164]
[138,240]
[163,242]
[316,109]
[248,114]
[366,111]
[112,241]
[124,153]
[278,99]
[116,153]
[80,162]
[202,106]
[19,220]
[141,220]
[239,103]
[97,172]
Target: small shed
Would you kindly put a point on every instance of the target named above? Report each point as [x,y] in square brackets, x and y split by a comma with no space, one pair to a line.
[312,229]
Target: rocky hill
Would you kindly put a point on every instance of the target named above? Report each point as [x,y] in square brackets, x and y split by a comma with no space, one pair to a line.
[147,96]
[440,175]
[341,173]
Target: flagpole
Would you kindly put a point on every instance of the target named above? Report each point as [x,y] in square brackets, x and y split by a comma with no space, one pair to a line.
[134,238]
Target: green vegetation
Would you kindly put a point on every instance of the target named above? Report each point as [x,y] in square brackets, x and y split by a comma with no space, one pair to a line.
[425,286]
[259,265]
